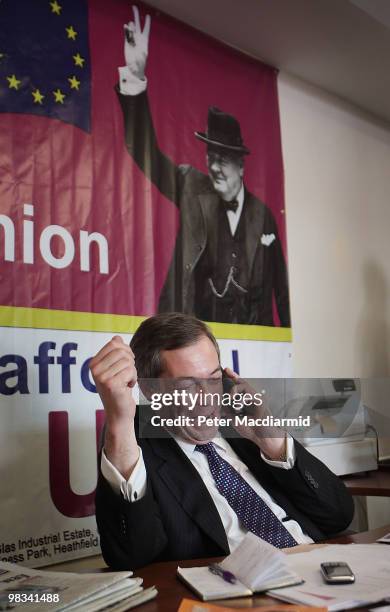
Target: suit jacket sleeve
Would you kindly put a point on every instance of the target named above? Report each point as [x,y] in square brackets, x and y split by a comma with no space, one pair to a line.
[131,533]
[279,271]
[141,143]
[315,492]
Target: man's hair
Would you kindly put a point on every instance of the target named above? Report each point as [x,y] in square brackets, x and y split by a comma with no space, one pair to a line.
[165,332]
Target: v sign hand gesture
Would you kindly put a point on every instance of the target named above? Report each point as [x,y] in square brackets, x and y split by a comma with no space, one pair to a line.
[136,44]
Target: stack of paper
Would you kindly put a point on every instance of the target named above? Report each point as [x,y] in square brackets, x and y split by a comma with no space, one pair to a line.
[369,562]
[37,590]
[385,539]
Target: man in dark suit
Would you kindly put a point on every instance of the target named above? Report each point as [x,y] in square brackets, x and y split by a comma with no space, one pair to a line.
[228,262]
[195,492]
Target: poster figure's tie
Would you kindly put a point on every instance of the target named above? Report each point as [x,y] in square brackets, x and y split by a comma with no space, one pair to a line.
[232,205]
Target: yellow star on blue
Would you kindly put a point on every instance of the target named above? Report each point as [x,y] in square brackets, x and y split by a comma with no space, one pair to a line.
[14,83]
[78,60]
[59,96]
[74,83]
[71,32]
[55,7]
[38,97]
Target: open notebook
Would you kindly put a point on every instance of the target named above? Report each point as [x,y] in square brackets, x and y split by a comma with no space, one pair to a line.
[257,566]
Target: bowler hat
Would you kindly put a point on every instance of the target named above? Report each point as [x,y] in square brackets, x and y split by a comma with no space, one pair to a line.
[223,131]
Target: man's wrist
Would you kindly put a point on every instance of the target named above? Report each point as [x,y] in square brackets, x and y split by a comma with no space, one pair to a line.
[274,449]
[129,83]
[122,453]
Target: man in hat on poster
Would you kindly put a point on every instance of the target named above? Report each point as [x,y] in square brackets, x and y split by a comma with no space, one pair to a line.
[228,262]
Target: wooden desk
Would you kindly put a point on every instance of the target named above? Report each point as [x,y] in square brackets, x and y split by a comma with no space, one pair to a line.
[373,483]
[171,591]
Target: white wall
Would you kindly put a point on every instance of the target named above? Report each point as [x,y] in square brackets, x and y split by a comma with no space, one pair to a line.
[337,180]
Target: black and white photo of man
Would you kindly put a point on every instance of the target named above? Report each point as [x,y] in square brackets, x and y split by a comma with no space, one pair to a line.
[228,264]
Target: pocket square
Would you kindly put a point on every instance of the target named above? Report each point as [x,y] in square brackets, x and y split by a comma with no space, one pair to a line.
[267,239]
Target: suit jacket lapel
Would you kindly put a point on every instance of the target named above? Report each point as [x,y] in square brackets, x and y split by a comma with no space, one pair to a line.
[186,485]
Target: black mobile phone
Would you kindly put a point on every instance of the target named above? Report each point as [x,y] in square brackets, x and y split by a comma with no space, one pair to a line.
[228,384]
[337,572]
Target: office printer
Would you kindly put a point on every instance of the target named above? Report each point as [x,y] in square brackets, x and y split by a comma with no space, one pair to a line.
[339,433]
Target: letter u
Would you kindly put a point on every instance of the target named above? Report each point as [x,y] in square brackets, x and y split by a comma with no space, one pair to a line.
[65,500]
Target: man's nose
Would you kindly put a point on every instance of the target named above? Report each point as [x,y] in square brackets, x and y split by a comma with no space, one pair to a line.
[214,165]
[202,385]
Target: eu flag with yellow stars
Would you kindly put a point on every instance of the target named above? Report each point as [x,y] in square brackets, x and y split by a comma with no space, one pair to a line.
[67,210]
[83,227]
[44,59]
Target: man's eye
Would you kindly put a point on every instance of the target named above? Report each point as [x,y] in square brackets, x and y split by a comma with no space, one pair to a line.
[214,382]
[221,161]
[186,383]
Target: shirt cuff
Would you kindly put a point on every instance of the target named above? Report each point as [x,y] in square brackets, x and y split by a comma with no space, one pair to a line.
[130,85]
[290,456]
[132,489]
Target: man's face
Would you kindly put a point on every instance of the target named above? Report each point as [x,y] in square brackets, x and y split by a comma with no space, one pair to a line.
[225,172]
[195,367]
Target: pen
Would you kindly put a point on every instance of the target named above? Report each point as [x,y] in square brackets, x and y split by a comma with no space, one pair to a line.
[227,576]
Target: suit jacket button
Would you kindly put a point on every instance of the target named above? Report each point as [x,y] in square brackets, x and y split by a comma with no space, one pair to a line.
[188,266]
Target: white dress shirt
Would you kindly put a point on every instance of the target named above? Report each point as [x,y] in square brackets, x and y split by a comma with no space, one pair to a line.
[234,216]
[134,488]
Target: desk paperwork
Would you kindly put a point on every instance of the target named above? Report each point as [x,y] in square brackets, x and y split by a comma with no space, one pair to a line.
[369,562]
[22,588]
[256,565]
[190,605]
[385,539]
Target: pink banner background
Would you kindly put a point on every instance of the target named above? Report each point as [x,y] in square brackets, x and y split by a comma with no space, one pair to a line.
[81,181]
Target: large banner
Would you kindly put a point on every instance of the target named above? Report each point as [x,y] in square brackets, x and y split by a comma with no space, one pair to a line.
[141,171]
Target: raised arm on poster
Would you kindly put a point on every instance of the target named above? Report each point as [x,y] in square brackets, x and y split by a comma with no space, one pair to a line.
[228,264]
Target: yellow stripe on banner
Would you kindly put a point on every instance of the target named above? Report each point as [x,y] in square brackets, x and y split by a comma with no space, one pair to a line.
[251,332]
[41,318]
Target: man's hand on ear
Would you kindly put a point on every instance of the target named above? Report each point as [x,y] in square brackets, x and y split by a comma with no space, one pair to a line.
[136,44]
[270,440]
